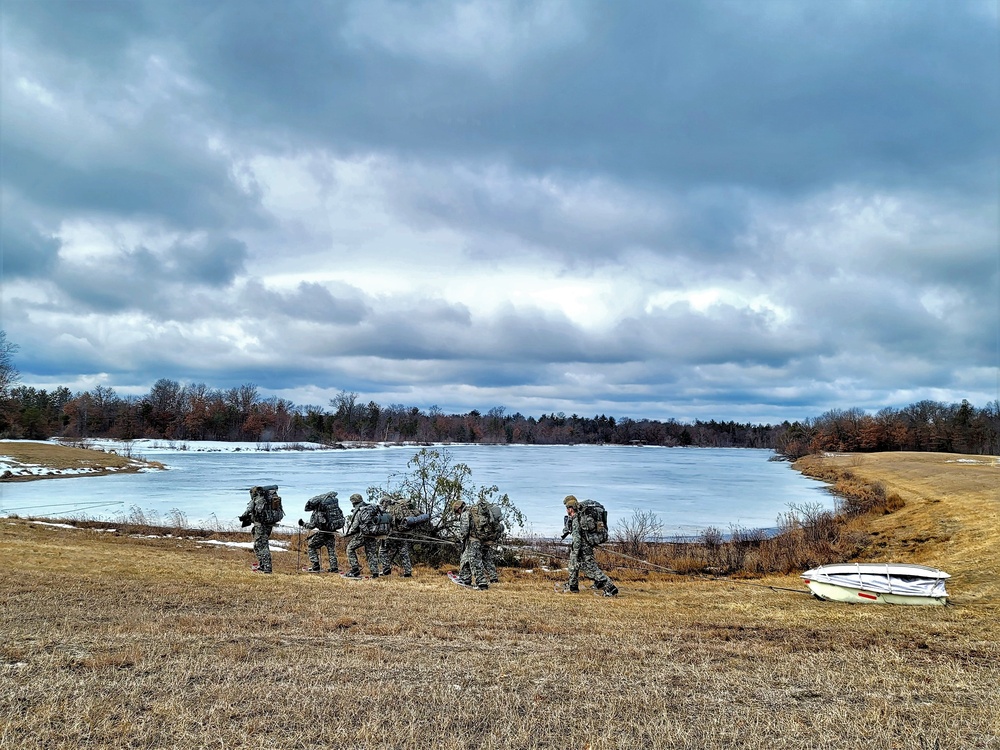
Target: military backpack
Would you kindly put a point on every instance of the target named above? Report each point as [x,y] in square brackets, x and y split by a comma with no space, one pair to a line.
[487,522]
[400,511]
[374,521]
[266,505]
[329,506]
[593,522]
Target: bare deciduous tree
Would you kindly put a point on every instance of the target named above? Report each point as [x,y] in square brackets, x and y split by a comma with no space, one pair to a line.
[9,376]
[633,534]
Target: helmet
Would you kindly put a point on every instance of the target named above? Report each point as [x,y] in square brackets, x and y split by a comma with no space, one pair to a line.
[312,504]
[356,498]
[570,501]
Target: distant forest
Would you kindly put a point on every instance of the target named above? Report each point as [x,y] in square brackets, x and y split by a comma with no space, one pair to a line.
[172,411]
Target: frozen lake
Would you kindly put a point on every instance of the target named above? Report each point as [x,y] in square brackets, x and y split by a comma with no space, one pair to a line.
[689,489]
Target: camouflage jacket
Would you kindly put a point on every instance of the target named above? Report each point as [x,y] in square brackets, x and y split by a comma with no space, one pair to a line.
[353,524]
[318,520]
[579,542]
[464,525]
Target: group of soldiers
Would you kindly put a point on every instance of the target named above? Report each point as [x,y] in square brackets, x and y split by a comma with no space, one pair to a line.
[382,531]
[378,530]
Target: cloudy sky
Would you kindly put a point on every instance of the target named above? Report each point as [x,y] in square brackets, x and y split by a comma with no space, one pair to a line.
[755,210]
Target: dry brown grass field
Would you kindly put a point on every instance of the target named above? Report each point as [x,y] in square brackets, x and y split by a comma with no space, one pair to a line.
[59,458]
[113,640]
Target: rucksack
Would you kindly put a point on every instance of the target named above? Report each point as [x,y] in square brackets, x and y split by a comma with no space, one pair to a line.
[400,511]
[266,505]
[374,521]
[487,522]
[330,506]
[593,522]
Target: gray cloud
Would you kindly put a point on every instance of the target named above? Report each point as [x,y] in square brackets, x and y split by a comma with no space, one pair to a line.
[654,209]
[170,282]
[309,302]
[27,250]
[216,264]
[813,83]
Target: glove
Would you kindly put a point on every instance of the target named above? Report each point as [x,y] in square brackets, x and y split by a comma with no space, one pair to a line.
[301,522]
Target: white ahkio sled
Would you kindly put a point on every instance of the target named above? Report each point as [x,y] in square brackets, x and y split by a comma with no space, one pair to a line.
[878,583]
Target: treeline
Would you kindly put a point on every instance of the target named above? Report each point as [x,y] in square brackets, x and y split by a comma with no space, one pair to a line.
[923,426]
[172,411]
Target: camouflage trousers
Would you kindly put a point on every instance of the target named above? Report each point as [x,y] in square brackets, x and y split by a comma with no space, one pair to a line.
[370,545]
[389,550]
[471,562]
[261,545]
[490,563]
[582,560]
[318,541]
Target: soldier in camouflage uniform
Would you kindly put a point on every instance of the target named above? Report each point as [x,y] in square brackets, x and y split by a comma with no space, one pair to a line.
[262,526]
[396,544]
[354,532]
[471,562]
[325,536]
[581,557]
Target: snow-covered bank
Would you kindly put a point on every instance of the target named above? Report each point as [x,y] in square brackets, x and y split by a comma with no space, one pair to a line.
[151,446]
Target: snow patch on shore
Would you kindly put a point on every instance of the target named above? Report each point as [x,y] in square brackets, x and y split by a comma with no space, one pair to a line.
[274,545]
[10,468]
